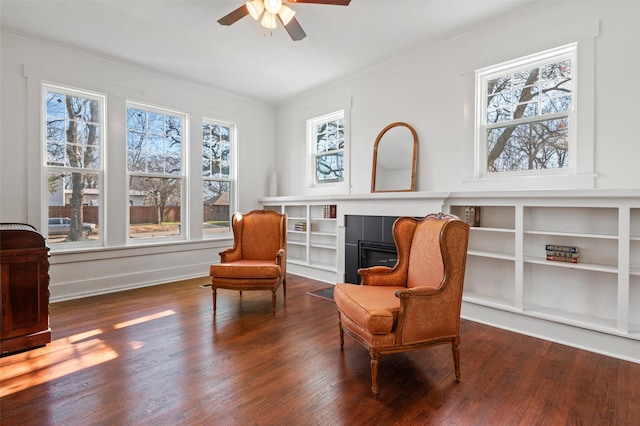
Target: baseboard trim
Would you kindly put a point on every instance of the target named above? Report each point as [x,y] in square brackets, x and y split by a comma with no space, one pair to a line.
[577,337]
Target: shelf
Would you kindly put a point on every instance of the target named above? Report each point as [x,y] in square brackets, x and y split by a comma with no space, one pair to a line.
[316,265]
[571,220]
[491,254]
[294,231]
[324,266]
[297,243]
[296,260]
[323,246]
[484,229]
[605,325]
[326,234]
[490,301]
[584,266]
[572,235]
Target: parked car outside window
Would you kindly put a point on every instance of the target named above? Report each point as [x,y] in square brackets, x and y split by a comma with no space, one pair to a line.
[61,225]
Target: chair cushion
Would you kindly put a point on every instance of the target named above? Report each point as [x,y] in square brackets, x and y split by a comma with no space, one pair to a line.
[374,308]
[243,269]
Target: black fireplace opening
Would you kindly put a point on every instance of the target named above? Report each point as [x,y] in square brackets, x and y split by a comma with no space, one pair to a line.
[376,253]
[376,233]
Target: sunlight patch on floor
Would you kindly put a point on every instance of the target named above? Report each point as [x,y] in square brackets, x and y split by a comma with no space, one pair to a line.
[64,356]
[144,319]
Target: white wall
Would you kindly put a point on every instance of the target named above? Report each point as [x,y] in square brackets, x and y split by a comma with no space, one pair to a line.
[432,89]
[25,63]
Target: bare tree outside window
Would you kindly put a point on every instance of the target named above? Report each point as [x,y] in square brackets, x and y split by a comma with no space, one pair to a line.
[217,173]
[73,141]
[328,144]
[527,116]
[154,163]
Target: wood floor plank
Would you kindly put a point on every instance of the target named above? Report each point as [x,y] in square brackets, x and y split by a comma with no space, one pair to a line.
[158,356]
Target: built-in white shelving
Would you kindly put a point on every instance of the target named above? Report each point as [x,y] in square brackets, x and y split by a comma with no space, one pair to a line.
[509,283]
[507,268]
[311,237]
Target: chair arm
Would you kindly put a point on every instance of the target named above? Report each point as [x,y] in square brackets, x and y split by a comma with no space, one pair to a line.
[382,275]
[230,255]
[419,292]
[426,313]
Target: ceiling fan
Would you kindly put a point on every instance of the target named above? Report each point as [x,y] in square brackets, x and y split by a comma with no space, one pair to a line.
[268,10]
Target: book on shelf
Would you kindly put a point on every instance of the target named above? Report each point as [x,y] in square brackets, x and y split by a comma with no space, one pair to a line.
[330,211]
[562,254]
[472,215]
[563,259]
[565,249]
[300,226]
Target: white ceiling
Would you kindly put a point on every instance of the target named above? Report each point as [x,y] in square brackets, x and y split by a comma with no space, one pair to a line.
[182,37]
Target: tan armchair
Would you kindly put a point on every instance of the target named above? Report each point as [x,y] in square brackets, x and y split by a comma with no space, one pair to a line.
[258,259]
[417,302]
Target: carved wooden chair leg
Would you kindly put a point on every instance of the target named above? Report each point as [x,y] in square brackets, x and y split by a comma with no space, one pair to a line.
[456,357]
[214,299]
[273,301]
[341,331]
[374,374]
[284,286]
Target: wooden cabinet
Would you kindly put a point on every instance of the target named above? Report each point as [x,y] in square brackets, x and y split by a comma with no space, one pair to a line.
[24,288]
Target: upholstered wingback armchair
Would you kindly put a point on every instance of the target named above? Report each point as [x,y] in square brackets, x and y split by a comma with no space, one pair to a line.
[257,260]
[417,302]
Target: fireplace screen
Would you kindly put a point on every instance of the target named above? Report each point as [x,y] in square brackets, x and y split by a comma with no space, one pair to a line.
[373,253]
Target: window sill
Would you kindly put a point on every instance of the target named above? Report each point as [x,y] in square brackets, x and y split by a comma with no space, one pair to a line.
[86,254]
[583,181]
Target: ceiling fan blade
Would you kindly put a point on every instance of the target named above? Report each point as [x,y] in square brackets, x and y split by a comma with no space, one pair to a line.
[334,2]
[234,16]
[294,29]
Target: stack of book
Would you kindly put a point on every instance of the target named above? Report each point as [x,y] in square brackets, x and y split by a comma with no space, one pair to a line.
[559,253]
[472,215]
[300,226]
[330,211]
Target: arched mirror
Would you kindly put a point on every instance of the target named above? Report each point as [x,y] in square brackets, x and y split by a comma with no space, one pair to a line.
[395,155]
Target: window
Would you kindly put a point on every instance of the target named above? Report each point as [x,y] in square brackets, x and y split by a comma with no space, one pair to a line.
[525,115]
[218,140]
[155,171]
[73,166]
[326,136]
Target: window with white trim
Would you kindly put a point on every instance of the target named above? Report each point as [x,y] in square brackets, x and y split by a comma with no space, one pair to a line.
[326,144]
[526,109]
[155,171]
[73,133]
[218,176]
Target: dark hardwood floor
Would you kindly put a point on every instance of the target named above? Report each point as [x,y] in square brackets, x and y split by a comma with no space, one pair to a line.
[156,356]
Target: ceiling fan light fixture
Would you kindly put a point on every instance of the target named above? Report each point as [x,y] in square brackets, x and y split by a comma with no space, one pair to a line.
[273,6]
[268,20]
[286,14]
[255,9]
